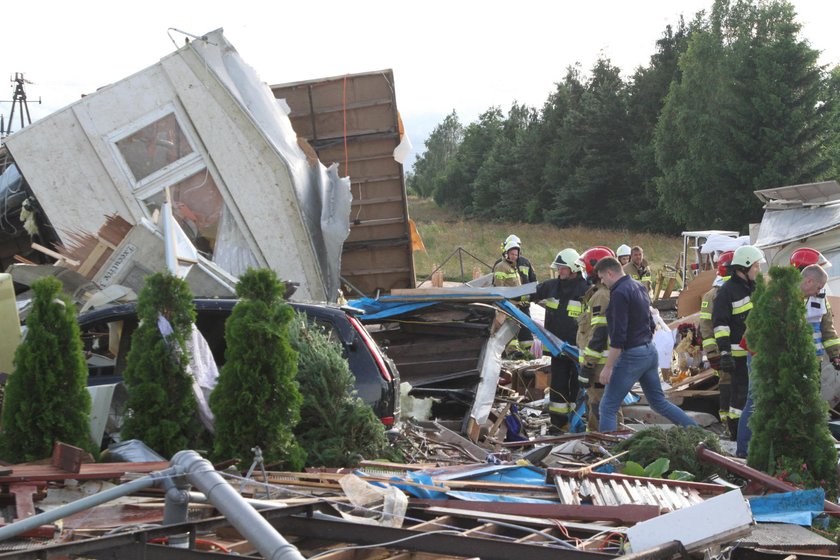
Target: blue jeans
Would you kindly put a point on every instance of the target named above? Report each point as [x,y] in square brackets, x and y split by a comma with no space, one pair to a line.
[641,364]
[744,431]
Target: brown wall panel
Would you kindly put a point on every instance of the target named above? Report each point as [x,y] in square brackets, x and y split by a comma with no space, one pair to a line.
[362,106]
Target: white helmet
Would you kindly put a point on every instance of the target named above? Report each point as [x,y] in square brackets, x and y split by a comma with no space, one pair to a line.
[512,238]
[512,242]
[569,258]
[623,251]
[746,255]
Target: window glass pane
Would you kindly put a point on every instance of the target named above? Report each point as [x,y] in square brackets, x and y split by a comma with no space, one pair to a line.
[154,147]
[197,206]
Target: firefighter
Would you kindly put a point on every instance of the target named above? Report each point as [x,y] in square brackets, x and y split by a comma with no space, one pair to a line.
[623,254]
[527,274]
[561,297]
[592,335]
[707,333]
[638,268]
[505,270]
[731,307]
[817,309]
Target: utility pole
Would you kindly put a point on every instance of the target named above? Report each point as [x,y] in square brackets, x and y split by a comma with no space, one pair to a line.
[18,101]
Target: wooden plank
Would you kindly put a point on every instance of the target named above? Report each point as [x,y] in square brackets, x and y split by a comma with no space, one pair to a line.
[563,490]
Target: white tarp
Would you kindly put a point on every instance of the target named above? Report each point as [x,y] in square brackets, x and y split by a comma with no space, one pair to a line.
[717,243]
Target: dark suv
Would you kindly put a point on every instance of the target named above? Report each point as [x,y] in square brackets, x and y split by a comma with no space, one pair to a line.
[106,333]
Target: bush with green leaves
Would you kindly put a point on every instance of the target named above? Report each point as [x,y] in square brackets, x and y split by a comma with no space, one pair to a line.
[677,445]
[790,437]
[257,401]
[162,408]
[337,428]
[46,397]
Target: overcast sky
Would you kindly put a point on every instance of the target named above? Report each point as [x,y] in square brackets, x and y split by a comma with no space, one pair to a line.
[458,54]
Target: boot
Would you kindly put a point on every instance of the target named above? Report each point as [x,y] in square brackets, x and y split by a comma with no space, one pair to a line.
[732,423]
[559,424]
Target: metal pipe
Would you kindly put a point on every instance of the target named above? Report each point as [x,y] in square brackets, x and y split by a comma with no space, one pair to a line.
[18,527]
[259,532]
[176,508]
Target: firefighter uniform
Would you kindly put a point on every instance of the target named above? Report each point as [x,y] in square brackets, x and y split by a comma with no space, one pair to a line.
[819,315]
[526,276]
[731,307]
[563,305]
[710,347]
[592,342]
[640,273]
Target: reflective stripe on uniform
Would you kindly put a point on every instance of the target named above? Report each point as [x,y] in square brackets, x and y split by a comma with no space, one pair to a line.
[524,270]
[735,413]
[551,303]
[505,275]
[831,342]
[724,414]
[741,306]
[561,408]
[722,331]
[739,353]
[573,308]
[598,320]
[704,304]
[709,342]
[818,341]
[646,278]
[705,315]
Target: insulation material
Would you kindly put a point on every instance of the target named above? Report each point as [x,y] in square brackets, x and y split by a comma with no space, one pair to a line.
[491,366]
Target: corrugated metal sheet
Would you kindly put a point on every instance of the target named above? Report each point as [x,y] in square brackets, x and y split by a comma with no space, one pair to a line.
[612,490]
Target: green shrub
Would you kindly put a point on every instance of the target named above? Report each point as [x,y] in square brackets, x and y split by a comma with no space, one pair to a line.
[790,437]
[46,396]
[337,428]
[256,401]
[161,405]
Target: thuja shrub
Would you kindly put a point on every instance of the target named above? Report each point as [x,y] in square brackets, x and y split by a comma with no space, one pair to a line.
[256,401]
[337,428]
[790,437]
[46,396]
[161,404]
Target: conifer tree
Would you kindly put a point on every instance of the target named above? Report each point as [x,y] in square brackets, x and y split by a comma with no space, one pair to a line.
[256,401]
[161,403]
[790,423]
[46,396]
[337,427]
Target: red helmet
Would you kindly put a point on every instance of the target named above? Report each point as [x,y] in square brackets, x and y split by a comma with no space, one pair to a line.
[591,257]
[723,263]
[805,257]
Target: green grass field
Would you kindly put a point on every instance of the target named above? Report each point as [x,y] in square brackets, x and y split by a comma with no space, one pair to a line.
[443,232]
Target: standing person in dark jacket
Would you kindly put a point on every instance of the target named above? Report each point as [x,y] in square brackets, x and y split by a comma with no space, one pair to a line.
[632,356]
[729,318]
[561,298]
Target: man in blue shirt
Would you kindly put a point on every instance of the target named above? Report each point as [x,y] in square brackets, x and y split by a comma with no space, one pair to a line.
[632,356]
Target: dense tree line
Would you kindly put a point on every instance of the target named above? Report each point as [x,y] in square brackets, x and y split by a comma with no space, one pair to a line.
[731,102]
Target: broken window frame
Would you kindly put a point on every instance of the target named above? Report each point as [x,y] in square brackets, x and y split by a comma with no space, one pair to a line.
[191,159]
[173,173]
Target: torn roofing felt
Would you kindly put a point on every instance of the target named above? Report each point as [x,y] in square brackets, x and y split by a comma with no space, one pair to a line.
[201,123]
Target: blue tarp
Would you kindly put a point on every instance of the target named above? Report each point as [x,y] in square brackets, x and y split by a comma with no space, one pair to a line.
[382,308]
[378,309]
[796,508]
